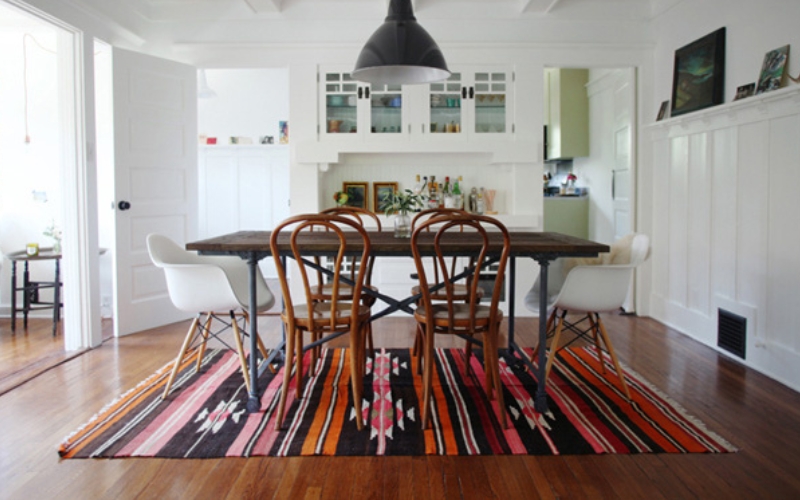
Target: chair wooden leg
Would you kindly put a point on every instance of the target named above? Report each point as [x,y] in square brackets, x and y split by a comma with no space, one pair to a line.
[547,329]
[237,337]
[176,366]
[202,349]
[287,377]
[298,372]
[356,378]
[554,344]
[596,338]
[468,350]
[419,346]
[495,369]
[427,376]
[613,355]
[314,353]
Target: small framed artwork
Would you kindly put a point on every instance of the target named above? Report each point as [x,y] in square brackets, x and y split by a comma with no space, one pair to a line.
[745,91]
[772,70]
[356,194]
[283,132]
[381,195]
[698,79]
[663,111]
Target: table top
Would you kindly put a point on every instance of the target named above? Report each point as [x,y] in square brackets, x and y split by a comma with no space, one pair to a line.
[46,253]
[383,243]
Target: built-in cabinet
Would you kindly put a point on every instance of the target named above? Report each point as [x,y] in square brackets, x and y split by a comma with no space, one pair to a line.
[566,113]
[242,188]
[473,102]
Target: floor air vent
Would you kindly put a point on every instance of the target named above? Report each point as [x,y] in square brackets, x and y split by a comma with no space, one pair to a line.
[732,332]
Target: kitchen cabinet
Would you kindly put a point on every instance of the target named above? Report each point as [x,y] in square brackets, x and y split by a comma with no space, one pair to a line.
[566,113]
[567,215]
[353,109]
[473,102]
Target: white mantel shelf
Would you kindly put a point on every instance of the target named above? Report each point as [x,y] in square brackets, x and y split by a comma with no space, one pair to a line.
[501,151]
[760,107]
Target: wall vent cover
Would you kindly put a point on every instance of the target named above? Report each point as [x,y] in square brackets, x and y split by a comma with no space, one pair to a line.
[732,332]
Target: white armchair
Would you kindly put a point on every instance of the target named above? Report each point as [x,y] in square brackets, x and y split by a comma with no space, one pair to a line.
[601,286]
[210,286]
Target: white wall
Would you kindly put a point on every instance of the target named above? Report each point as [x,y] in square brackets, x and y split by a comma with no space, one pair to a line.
[249,103]
[33,166]
[721,188]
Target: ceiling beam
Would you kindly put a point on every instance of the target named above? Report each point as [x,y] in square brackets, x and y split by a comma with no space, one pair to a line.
[262,6]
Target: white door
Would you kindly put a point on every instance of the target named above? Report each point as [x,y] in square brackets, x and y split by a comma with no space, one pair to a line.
[155,186]
[622,173]
[622,180]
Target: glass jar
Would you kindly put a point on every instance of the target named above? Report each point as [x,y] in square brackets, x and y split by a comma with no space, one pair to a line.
[402,226]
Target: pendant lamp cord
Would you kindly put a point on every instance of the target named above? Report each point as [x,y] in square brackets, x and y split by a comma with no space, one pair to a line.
[25,76]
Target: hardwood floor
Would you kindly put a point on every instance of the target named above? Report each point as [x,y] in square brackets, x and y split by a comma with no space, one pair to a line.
[756,414]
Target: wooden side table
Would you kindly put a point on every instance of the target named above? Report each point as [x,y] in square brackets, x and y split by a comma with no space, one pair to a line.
[30,289]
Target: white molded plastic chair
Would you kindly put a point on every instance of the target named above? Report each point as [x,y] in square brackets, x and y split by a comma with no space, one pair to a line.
[590,290]
[210,286]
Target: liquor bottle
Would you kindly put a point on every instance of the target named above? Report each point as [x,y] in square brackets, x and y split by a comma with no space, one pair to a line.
[417,190]
[440,191]
[433,195]
[425,193]
[458,197]
[449,199]
[473,201]
[480,206]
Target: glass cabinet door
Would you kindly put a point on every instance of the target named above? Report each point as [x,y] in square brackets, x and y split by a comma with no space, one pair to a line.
[445,105]
[386,109]
[341,104]
[490,103]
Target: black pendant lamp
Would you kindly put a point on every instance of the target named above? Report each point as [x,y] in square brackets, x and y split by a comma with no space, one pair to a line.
[400,51]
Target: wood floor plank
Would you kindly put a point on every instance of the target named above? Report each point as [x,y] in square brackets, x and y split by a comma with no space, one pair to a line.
[757,414]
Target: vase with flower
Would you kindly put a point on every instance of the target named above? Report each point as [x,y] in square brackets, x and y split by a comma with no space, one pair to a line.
[400,203]
[341,198]
[54,232]
[569,184]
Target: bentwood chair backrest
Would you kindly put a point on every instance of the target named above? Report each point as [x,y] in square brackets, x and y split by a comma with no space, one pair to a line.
[346,236]
[426,215]
[452,228]
[359,215]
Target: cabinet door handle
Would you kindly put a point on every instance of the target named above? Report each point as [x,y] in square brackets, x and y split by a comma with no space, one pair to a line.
[366,92]
[463,92]
[423,128]
[360,92]
[472,92]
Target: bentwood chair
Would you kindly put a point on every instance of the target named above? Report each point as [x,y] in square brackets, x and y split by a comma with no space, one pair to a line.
[458,316]
[321,317]
[216,287]
[590,289]
[460,290]
[322,291]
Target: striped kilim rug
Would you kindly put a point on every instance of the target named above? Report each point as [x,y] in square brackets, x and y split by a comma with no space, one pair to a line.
[205,414]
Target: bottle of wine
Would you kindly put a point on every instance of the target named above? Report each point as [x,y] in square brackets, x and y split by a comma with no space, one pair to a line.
[458,197]
[449,199]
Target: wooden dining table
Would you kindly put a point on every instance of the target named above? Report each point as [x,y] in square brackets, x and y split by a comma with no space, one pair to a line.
[543,247]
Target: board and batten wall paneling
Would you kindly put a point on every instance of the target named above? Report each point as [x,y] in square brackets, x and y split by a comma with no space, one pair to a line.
[783,275]
[725,207]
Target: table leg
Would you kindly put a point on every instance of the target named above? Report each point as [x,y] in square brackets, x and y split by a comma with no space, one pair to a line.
[253,402]
[541,394]
[26,297]
[13,295]
[57,298]
[512,287]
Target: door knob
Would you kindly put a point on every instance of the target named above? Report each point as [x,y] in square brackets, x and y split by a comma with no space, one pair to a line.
[124,205]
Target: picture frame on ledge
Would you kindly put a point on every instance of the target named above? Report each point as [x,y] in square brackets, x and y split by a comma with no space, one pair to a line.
[745,91]
[356,194]
[772,70]
[380,190]
[663,111]
[698,79]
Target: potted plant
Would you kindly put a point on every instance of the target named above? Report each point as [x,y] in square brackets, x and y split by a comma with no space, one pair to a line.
[401,203]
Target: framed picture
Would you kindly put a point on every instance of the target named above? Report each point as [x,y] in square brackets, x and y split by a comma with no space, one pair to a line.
[745,91]
[283,132]
[356,194]
[772,70]
[662,111]
[381,191]
[698,79]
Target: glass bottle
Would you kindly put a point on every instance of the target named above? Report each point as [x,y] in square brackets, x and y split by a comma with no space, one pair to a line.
[417,190]
[458,197]
[433,197]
